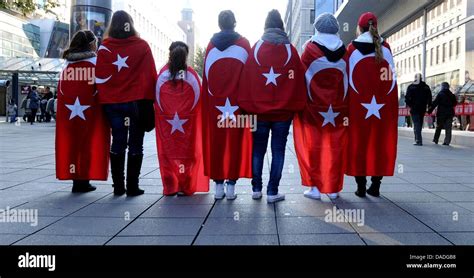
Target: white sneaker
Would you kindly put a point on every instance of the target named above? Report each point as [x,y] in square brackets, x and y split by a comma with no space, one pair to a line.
[257,195]
[275,198]
[230,192]
[313,193]
[333,196]
[220,194]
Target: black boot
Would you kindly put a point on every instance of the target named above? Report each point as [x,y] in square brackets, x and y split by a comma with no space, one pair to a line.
[374,189]
[134,165]
[361,186]
[117,163]
[82,187]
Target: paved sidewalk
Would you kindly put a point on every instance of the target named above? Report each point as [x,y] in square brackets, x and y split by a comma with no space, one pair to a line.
[429,202]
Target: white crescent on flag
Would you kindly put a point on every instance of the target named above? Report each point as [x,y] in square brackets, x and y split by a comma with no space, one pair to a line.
[233,52]
[257,49]
[100,80]
[322,64]
[357,56]
[190,79]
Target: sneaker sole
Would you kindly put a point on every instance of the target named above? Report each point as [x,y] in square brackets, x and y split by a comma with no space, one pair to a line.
[312,197]
[219,198]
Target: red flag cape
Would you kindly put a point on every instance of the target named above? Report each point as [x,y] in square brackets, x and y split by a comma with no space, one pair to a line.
[320,131]
[125,71]
[373,114]
[272,82]
[178,120]
[227,151]
[82,131]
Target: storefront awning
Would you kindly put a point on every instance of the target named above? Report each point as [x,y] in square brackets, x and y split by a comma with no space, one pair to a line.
[40,71]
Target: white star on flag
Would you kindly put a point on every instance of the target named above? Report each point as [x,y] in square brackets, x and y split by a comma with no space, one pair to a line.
[176,123]
[228,111]
[77,110]
[121,62]
[271,77]
[373,108]
[329,117]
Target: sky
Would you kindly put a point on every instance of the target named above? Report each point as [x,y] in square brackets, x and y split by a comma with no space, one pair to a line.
[250,15]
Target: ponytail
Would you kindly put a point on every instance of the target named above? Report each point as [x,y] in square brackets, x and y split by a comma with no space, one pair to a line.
[377,42]
[178,59]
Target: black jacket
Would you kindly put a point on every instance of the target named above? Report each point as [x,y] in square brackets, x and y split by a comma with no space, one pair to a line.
[419,97]
[445,101]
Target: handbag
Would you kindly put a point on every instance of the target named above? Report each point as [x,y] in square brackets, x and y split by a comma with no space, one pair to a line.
[146,114]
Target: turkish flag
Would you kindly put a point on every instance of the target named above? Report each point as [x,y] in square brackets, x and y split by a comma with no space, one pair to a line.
[373,114]
[320,131]
[272,82]
[178,120]
[125,71]
[227,151]
[82,131]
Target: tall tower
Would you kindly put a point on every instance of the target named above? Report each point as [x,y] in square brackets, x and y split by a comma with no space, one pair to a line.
[189,27]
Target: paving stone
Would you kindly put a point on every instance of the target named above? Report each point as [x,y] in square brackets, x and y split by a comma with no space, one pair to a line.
[163,227]
[404,239]
[321,239]
[239,226]
[152,240]
[236,240]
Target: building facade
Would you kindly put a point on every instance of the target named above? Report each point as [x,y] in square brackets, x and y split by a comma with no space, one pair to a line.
[447,54]
[153,26]
[300,16]
[18,37]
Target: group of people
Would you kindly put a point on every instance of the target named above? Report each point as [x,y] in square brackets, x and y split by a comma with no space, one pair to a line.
[420,101]
[34,102]
[343,103]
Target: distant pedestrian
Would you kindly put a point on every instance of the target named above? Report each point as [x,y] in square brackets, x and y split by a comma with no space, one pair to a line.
[33,102]
[419,99]
[12,110]
[445,102]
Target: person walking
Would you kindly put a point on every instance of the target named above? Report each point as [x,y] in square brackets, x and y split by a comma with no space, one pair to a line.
[419,99]
[33,103]
[126,77]
[445,101]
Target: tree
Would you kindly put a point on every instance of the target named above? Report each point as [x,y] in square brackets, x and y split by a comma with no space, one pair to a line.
[27,7]
[199,61]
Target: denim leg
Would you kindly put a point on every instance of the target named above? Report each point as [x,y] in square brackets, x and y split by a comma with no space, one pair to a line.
[135,139]
[116,115]
[219,181]
[280,131]
[232,182]
[260,143]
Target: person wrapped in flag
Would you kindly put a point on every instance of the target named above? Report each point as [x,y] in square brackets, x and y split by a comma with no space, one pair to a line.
[320,131]
[178,119]
[82,131]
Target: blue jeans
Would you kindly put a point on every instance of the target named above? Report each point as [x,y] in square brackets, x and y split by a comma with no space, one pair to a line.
[280,131]
[123,120]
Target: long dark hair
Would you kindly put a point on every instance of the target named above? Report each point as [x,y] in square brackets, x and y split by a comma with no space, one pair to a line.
[81,42]
[121,26]
[178,58]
